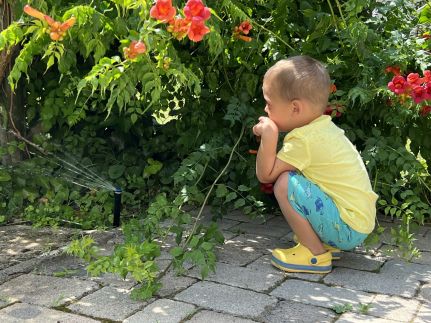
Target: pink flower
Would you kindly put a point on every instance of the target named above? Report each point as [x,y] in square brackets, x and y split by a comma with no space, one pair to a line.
[427,76]
[414,79]
[197,29]
[398,85]
[163,10]
[419,94]
[196,8]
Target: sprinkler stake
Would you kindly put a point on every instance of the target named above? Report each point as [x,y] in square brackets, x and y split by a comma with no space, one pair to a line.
[117,207]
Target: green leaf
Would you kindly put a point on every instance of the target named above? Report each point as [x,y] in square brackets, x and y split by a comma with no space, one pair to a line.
[239,203]
[153,168]
[176,251]
[243,188]
[115,171]
[207,245]
[221,190]
[230,197]
[4,176]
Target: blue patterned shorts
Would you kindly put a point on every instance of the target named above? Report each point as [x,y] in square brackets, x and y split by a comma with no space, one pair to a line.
[320,210]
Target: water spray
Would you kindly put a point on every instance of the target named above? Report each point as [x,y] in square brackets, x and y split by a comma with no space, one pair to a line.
[117,207]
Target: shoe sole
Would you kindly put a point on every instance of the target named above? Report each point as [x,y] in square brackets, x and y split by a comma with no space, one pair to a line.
[336,255]
[300,268]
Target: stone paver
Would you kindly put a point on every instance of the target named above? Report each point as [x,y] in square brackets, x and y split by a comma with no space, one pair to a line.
[425,293]
[404,270]
[241,217]
[287,311]
[424,243]
[237,252]
[109,303]
[210,316]
[360,318]
[372,282]
[61,266]
[22,242]
[275,227]
[393,308]
[27,313]
[45,290]
[424,314]
[162,311]
[172,284]
[242,277]
[319,294]
[228,299]
[359,262]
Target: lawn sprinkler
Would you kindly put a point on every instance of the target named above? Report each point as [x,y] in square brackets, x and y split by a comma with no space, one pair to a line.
[117,207]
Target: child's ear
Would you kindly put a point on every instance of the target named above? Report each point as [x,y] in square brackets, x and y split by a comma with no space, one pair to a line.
[297,106]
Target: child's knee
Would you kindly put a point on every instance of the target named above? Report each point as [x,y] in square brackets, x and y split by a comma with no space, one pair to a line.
[281,185]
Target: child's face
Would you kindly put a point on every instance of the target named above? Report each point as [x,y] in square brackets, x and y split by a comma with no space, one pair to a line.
[278,109]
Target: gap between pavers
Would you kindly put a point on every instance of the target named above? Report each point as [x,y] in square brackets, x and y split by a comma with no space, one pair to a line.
[357,318]
[228,299]
[21,312]
[290,311]
[211,316]
[162,311]
[424,314]
[45,290]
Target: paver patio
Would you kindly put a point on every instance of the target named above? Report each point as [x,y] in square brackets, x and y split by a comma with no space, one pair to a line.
[38,283]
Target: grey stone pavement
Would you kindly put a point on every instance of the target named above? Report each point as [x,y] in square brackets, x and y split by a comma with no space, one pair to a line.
[39,283]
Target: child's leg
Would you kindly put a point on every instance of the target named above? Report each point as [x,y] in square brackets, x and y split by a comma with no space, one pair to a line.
[302,228]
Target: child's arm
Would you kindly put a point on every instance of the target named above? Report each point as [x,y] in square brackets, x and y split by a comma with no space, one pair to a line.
[268,166]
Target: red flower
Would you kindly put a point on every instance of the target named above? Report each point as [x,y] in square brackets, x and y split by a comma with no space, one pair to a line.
[333,88]
[197,29]
[414,79]
[245,27]
[393,69]
[419,94]
[195,8]
[267,188]
[427,76]
[398,85]
[163,10]
[179,27]
[425,110]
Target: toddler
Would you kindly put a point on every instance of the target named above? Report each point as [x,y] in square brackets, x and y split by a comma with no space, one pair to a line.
[321,183]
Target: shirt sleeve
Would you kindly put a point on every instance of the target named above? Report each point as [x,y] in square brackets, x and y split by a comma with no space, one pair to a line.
[295,152]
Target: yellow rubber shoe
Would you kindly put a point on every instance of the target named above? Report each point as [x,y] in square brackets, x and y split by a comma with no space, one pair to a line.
[336,253]
[299,259]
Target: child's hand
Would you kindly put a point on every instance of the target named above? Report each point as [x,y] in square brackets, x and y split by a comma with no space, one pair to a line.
[265,127]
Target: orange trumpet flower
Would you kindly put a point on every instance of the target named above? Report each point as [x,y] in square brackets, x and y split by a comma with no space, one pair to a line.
[33,12]
[67,24]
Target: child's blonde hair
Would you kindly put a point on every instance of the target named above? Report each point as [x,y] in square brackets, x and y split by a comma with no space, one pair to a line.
[301,77]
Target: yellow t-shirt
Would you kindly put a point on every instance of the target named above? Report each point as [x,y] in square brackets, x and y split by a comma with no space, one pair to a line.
[325,156]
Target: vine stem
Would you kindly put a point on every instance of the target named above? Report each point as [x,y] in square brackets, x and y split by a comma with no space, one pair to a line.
[214,184]
[207,197]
